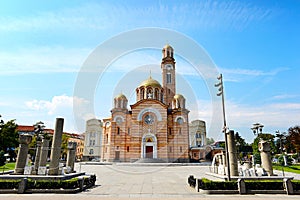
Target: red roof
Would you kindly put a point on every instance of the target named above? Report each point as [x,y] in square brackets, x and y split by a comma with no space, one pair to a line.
[23,128]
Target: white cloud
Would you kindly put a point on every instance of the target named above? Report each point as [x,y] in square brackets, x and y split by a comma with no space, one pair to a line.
[240,117]
[238,74]
[285,96]
[42,60]
[58,105]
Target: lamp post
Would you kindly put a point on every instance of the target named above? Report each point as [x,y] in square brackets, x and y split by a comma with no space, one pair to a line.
[281,137]
[221,93]
[257,130]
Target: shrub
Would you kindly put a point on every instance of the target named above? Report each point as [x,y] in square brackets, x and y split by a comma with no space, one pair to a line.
[264,185]
[51,184]
[9,184]
[206,184]
[296,184]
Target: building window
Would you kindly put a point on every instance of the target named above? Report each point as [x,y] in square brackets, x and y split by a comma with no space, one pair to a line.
[168,78]
[118,130]
[180,120]
[149,119]
[128,130]
[170,131]
[127,148]
[91,151]
[180,149]
[106,138]
[179,131]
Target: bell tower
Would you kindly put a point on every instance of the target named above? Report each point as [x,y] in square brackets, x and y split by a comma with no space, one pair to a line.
[168,74]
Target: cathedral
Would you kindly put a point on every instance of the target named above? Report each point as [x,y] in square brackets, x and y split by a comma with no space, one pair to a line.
[155,127]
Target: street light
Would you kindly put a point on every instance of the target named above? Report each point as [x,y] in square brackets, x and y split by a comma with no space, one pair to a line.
[221,93]
[281,137]
[257,128]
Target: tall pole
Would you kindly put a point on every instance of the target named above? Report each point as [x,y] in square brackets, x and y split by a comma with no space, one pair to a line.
[221,93]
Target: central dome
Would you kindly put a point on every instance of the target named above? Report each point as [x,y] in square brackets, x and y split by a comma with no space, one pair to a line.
[150,82]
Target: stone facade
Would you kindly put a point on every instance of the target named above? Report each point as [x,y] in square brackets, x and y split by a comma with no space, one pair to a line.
[155,127]
[93,140]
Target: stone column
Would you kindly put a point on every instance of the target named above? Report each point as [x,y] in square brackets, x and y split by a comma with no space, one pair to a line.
[37,155]
[24,140]
[44,153]
[232,154]
[71,155]
[266,163]
[56,147]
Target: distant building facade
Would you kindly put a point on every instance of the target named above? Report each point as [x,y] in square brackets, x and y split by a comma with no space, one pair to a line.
[93,140]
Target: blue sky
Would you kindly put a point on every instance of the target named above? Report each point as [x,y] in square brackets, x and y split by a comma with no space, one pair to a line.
[254,44]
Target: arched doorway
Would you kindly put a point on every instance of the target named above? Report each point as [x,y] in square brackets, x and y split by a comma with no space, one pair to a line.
[149,146]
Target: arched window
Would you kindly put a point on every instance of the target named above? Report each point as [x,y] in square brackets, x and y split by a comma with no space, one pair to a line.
[142,93]
[156,94]
[169,78]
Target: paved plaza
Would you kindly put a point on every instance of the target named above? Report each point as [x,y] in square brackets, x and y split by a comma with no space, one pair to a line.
[119,181]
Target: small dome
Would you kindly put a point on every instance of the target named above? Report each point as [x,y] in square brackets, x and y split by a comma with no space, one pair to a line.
[167,46]
[150,82]
[120,96]
[178,96]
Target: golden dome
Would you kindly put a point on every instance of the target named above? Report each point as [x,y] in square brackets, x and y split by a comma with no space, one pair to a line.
[178,96]
[120,96]
[167,46]
[150,82]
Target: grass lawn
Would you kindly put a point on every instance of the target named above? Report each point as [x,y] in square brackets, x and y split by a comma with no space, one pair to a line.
[292,168]
[7,167]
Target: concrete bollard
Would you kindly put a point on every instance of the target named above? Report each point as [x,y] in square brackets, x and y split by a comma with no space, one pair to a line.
[288,186]
[242,186]
[22,186]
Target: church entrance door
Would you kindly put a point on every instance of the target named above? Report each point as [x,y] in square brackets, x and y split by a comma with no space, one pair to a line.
[149,151]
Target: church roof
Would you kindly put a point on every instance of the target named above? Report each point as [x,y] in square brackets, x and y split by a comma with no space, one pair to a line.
[178,96]
[120,96]
[167,46]
[150,82]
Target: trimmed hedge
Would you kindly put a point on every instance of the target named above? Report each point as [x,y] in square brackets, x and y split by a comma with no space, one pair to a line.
[296,184]
[50,184]
[206,184]
[9,184]
[264,185]
[88,181]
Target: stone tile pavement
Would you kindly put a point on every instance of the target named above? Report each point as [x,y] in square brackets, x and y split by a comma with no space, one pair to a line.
[141,182]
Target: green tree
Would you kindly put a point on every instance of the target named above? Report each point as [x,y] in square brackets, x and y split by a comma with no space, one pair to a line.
[2,158]
[294,138]
[64,146]
[8,137]
[210,141]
